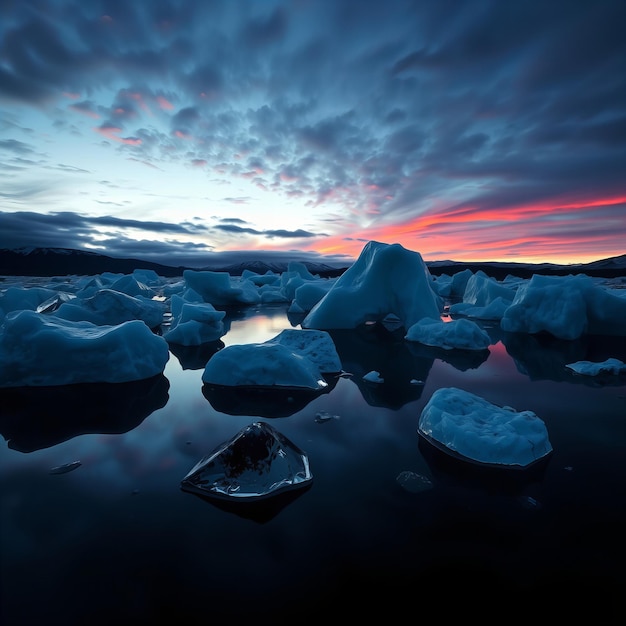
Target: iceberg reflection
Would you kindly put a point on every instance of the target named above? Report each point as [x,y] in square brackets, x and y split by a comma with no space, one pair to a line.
[33,418]
[374,348]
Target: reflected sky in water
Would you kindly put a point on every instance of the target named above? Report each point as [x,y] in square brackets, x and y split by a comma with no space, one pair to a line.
[118,535]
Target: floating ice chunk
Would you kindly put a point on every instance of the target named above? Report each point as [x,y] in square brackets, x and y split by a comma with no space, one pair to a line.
[64,469]
[413,483]
[108,307]
[373,377]
[316,345]
[147,277]
[130,285]
[527,502]
[466,425]
[294,358]
[270,294]
[322,417]
[53,303]
[454,285]
[481,290]
[258,462]
[220,289]
[19,298]
[42,350]
[308,294]
[462,334]
[262,364]
[590,368]
[269,278]
[566,307]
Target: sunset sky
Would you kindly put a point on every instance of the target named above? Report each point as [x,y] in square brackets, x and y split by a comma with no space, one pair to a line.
[175,131]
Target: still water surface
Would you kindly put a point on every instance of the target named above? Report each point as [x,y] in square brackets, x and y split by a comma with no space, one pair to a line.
[116,541]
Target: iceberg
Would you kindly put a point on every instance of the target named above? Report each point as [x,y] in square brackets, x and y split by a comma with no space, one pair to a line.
[385,279]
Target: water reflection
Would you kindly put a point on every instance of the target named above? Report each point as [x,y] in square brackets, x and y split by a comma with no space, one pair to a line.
[195,357]
[33,418]
[373,348]
[461,360]
[261,511]
[544,357]
[452,472]
[263,401]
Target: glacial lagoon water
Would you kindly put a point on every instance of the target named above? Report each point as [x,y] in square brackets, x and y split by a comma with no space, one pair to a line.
[95,528]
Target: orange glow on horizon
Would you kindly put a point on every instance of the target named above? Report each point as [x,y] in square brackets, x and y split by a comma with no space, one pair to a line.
[473,234]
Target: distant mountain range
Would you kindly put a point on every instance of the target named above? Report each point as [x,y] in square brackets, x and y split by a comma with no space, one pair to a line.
[67,262]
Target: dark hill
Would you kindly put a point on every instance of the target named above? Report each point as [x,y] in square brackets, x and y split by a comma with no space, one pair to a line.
[66,262]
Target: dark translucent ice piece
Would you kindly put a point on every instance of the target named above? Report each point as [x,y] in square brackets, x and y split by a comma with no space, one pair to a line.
[257,463]
[64,469]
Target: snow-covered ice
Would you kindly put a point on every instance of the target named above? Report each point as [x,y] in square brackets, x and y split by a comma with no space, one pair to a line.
[294,358]
[483,298]
[591,368]
[194,323]
[462,334]
[38,350]
[468,425]
[109,307]
[566,307]
[220,289]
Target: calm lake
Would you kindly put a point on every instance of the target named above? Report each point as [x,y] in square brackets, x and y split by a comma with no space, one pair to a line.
[116,540]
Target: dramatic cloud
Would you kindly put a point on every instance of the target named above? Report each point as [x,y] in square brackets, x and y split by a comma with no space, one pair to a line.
[475,130]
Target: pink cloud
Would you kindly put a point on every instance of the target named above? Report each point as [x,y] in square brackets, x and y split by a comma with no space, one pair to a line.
[111,132]
[165,104]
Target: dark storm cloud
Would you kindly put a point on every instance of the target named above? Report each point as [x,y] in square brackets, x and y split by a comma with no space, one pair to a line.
[384,107]
[233,228]
[27,228]
[70,230]
[280,233]
[166,252]
[290,233]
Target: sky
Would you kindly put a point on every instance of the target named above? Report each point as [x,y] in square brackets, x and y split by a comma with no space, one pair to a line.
[185,132]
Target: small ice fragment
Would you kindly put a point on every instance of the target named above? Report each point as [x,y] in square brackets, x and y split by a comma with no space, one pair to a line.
[64,469]
[324,416]
[529,503]
[413,483]
[373,377]
[414,381]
